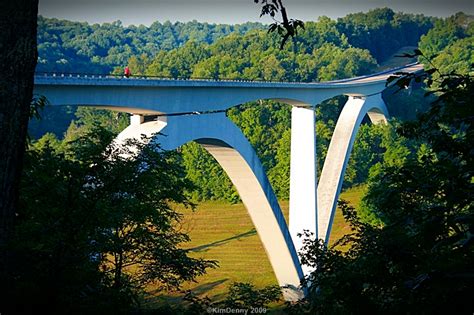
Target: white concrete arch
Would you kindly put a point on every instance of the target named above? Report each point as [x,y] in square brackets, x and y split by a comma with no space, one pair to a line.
[224,140]
[342,141]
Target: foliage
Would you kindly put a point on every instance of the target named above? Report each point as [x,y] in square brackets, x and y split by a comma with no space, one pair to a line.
[286,28]
[207,176]
[96,226]
[53,119]
[372,29]
[246,296]
[457,57]
[279,175]
[79,47]
[449,45]
[367,151]
[395,151]
[88,119]
[253,56]
[444,33]
[419,258]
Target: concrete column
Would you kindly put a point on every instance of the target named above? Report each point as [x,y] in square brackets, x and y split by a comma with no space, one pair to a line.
[138,127]
[303,175]
[136,119]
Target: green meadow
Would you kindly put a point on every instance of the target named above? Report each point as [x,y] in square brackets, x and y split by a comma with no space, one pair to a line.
[224,232]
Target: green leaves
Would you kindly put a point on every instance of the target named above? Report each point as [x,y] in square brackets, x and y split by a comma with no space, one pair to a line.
[412,250]
[96,220]
[287,27]
[38,103]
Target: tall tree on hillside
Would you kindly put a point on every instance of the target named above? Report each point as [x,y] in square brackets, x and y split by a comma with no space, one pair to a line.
[96,227]
[18,60]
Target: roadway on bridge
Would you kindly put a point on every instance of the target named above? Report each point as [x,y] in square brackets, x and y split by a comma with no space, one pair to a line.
[95,79]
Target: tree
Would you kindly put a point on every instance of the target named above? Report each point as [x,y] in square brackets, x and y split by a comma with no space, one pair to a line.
[287,27]
[418,258]
[18,59]
[208,177]
[443,34]
[95,226]
[370,30]
[87,119]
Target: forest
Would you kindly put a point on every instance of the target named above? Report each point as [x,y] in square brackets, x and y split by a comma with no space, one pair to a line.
[93,234]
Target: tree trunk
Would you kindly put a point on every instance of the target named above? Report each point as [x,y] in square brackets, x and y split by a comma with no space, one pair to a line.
[18,54]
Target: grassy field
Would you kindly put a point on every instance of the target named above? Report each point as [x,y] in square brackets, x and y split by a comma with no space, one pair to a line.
[225,233]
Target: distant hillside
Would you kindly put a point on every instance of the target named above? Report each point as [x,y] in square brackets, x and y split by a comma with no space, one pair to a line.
[67,46]
[383,31]
[80,47]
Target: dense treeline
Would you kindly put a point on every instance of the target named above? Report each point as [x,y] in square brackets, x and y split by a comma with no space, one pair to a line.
[450,44]
[80,47]
[383,31]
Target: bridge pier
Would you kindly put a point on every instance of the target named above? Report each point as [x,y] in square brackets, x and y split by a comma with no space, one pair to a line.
[303,176]
[137,119]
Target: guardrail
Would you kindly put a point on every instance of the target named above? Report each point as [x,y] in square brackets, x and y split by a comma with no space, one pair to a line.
[145,77]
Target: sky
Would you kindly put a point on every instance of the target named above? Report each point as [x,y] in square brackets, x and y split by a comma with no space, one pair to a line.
[231,11]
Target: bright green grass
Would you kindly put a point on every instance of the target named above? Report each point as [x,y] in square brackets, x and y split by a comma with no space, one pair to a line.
[224,232]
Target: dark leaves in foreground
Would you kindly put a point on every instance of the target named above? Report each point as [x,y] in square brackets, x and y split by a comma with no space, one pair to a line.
[287,27]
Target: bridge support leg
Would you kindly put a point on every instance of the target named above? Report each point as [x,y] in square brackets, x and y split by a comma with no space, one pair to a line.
[138,127]
[339,151]
[303,175]
[224,140]
[137,120]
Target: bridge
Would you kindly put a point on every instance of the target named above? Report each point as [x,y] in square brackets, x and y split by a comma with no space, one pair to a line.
[194,110]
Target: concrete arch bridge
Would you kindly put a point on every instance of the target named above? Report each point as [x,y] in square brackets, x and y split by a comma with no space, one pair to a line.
[312,203]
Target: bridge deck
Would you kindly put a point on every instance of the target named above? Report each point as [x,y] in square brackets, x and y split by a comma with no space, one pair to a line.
[108,80]
[150,95]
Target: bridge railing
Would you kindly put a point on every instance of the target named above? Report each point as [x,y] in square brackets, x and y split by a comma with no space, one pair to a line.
[146,77]
[164,78]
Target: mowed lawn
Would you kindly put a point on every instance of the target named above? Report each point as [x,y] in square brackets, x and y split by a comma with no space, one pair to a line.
[225,233]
